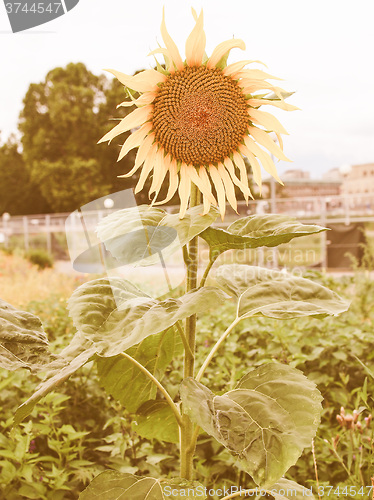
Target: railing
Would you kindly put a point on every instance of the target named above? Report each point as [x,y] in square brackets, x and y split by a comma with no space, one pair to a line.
[48,231]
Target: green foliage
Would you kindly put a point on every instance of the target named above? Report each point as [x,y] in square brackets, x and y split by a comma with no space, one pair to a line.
[277,294]
[155,420]
[62,119]
[125,382]
[284,488]
[18,194]
[115,315]
[23,343]
[112,485]
[40,258]
[57,375]
[326,352]
[273,411]
[257,231]
[141,233]
[317,348]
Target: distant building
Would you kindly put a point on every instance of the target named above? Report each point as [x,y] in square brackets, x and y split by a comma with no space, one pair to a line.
[333,174]
[359,180]
[295,174]
[297,183]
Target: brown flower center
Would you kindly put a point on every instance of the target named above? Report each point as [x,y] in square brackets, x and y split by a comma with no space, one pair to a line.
[200,116]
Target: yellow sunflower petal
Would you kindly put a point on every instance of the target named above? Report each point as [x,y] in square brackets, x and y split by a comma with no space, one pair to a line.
[265,159]
[167,58]
[249,86]
[184,190]
[135,140]
[159,174]
[171,166]
[264,139]
[145,81]
[204,187]
[133,120]
[141,155]
[195,44]
[170,45]
[243,186]
[219,188]
[267,120]
[143,100]
[255,74]
[206,182]
[147,168]
[278,104]
[229,186]
[222,49]
[280,140]
[256,169]
[234,68]
[239,162]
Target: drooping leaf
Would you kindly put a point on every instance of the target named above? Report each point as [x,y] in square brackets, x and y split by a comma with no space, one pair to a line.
[129,385]
[23,342]
[75,355]
[277,294]
[115,315]
[284,489]
[113,485]
[257,231]
[141,234]
[156,420]
[266,421]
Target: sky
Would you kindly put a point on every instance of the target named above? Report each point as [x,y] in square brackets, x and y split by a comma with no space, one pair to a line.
[323,49]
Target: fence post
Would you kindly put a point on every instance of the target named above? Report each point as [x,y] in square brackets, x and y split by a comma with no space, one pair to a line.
[48,233]
[25,232]
[6,219]
[323,236]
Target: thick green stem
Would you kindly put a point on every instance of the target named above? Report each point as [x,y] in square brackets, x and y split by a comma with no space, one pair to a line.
[187,430]
[212,259]
[215,348]
[160,387]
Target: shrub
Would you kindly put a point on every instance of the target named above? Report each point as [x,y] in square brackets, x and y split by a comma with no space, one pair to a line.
[40,258]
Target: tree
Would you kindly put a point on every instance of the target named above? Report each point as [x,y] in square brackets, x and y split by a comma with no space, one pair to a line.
[61,122]
[18,195]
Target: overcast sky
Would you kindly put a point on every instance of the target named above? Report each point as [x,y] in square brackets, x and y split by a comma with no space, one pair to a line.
[323,49]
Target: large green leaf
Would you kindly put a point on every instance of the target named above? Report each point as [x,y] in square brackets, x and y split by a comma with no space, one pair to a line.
[23,342]
[113,485]
[257,231]
[75,355]
[140,234]
[115,315]
[266,421]
[129,385]
[277,294]
[284,489]
[156,420]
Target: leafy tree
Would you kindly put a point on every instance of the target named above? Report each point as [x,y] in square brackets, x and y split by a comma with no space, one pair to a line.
[18,195]
[63,118]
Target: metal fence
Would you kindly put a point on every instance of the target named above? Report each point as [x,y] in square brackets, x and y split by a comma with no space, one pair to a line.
[48,231]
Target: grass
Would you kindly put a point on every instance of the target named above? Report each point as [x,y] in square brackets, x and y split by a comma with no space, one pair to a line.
[21,282]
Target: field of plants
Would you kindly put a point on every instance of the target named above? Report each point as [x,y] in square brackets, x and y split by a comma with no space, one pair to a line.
[78,431]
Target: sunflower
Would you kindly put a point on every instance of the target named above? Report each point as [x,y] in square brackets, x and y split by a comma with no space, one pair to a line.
[197,119]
